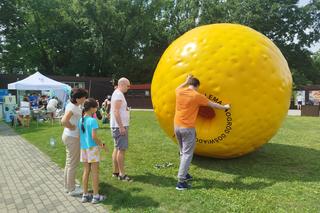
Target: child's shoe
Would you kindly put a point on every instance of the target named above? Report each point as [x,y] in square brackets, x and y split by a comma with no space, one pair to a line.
[97,199]
[85,198]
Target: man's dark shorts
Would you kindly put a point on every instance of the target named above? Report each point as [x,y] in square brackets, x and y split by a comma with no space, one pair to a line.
[120,141]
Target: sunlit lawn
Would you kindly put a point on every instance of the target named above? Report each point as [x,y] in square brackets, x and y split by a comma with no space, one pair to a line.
[283,176]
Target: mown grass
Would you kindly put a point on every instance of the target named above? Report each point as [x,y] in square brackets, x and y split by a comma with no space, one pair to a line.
[282,176]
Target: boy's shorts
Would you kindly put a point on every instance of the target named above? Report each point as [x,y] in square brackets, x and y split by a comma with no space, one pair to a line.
[91,155]
[120,141]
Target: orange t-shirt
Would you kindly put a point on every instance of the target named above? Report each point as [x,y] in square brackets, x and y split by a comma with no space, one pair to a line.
[188,102]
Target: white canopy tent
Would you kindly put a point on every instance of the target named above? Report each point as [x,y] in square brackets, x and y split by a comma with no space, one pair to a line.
[37,81]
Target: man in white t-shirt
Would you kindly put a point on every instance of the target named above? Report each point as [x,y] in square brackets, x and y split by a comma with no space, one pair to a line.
[119,124]
[52,107]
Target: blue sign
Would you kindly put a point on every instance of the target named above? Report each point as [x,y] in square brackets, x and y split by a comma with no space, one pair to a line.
[3,92]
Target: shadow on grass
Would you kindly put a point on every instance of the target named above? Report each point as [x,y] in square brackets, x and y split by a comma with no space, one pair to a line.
[155,180]
[200,183]
[273,162]
[120,199]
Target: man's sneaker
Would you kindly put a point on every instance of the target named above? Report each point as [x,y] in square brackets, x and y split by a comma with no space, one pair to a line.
[182,186]
[188,177]
[125,178]
[97,199]
[86,198]
[115,174]
[76,192]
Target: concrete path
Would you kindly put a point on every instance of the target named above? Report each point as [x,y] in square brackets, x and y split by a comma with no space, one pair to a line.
[30,181]
[294,112]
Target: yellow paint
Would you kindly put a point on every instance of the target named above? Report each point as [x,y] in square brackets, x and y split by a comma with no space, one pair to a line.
[235,64]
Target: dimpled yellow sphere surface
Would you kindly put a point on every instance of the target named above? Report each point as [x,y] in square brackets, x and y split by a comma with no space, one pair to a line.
[235,64]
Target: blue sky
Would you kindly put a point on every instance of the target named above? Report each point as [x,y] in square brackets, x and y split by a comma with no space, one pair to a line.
[316,46]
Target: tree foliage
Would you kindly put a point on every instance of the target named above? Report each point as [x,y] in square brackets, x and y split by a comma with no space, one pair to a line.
[127,37]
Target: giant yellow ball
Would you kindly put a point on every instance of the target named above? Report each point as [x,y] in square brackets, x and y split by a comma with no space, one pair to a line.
[235,64]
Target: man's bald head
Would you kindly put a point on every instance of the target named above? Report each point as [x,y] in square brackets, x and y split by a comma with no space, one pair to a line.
[123,84]
[123,80]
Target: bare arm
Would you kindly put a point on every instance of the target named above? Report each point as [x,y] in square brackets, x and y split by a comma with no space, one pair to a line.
[97,140]
[218,106]
[185,83]
[95,137]
[117,116]
[65,121]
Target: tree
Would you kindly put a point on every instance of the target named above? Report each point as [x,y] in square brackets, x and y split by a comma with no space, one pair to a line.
[127,37]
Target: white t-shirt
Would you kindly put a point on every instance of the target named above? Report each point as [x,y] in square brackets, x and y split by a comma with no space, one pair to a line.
[124,113]
[76,115]
[24,108]
[52,105]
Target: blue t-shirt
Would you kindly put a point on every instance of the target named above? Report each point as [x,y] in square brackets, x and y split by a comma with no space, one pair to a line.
[33,100]
[86,140]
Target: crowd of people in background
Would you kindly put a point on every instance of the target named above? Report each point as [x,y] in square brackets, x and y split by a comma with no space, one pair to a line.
[36,102]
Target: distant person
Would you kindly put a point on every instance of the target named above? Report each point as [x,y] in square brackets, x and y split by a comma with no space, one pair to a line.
[97,114]
[119,124]
[52,106]
[33,99]
[43,102]
[70,138]
[105,110]
[24,112]
[299,101]
[90,146]
[188,101]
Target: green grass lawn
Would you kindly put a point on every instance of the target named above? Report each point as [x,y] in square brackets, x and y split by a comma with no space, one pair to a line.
[283,176]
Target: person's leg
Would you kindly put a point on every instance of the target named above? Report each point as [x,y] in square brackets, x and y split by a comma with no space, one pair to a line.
[120,160]
[51,116]
[115,162]
[179,139]
[66,167]
[95,177]
[115,135]
[73,157]
[188,145]
[85,177]
[122,145]
[20,118]
[27,118]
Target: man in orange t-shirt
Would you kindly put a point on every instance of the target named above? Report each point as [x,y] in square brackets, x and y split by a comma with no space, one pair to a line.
[188,101]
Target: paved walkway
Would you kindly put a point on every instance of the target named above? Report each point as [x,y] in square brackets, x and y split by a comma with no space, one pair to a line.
[294,112]
[30,181]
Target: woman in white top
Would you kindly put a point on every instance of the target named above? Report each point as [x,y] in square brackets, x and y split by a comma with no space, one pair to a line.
[70,138]
[24,112]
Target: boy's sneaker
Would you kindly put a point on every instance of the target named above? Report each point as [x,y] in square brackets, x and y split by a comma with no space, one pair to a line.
[189,177]
[115,175]
[76,192]
[97,199]
[86,198]
[125,178]
[182,186]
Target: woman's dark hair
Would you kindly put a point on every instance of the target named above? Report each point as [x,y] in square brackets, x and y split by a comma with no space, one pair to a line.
[194,82]
[88,104]
[78,93]
[25,98]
